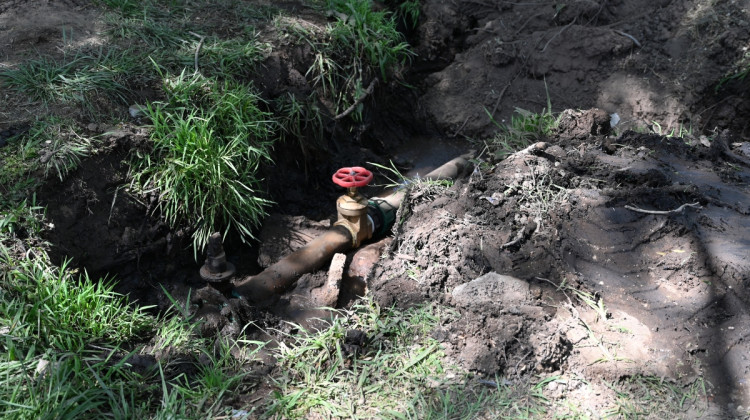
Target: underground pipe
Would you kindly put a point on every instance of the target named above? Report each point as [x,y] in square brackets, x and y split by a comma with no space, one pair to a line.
[278,277]
[380,216]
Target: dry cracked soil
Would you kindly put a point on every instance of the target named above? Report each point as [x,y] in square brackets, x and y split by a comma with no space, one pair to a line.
[599,251]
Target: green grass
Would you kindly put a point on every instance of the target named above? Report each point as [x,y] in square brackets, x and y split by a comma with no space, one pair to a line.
[361,45]
[642,396]
[209,141]
[52,146]
[370,35]
[69,385]
[680,131]
[409,12]
[62,310]
[320,378]
[60,331]
[80,78]
[173,32]
[485,399]
[524,129]
[401,373]
[63,340]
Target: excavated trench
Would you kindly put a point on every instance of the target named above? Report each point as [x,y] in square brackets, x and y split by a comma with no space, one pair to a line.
[514,246]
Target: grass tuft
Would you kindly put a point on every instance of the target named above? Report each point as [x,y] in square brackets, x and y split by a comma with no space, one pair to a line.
[642,396]
[61,310]
[79,79]
[209,140]
[525,128]
[370,34]
[359,47]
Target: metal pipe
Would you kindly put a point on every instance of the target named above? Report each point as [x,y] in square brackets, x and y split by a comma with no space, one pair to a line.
[277,278]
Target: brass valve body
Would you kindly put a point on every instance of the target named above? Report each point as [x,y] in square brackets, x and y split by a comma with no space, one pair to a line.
[352,214]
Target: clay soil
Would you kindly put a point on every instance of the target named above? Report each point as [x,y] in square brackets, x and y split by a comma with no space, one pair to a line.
[600,252]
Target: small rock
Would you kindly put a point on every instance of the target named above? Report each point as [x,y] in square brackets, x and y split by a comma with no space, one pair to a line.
[491,292]
[137,111]
[495,199]
[354,341]
[41,367]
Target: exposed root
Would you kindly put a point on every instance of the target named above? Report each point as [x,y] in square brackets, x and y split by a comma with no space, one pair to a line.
[664,212]
[359,100]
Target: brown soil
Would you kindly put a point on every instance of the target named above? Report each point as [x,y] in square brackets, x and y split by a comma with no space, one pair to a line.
[554,217]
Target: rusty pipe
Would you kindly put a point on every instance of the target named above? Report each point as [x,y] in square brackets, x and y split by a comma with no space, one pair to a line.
[277,278]
[280,276]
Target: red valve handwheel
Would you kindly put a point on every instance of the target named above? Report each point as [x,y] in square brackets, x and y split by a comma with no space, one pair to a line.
[352,177]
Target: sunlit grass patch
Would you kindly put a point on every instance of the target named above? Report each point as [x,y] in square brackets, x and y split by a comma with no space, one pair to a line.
[399,372]
[62,310]
[59,331]
[481,399]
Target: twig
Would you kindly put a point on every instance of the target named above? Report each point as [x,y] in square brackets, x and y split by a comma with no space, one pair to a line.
[459,128]
[664,212]
[632,38]
[518,31]
[521,235]
[198,49]
[520,361]
[359,100]
[518,238]
[500,98]
[720,147]
[533,149]
[558,33]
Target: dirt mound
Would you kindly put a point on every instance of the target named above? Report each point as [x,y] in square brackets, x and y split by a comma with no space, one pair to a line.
[650,234]
[648,61]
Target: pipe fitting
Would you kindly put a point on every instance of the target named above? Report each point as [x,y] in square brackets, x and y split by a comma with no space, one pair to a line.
[268,285]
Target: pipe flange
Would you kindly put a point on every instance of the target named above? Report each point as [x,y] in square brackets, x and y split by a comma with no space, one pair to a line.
[216,268]
[211,276]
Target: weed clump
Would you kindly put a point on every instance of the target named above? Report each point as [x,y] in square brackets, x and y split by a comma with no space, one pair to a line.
[209,140]
[361,46]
